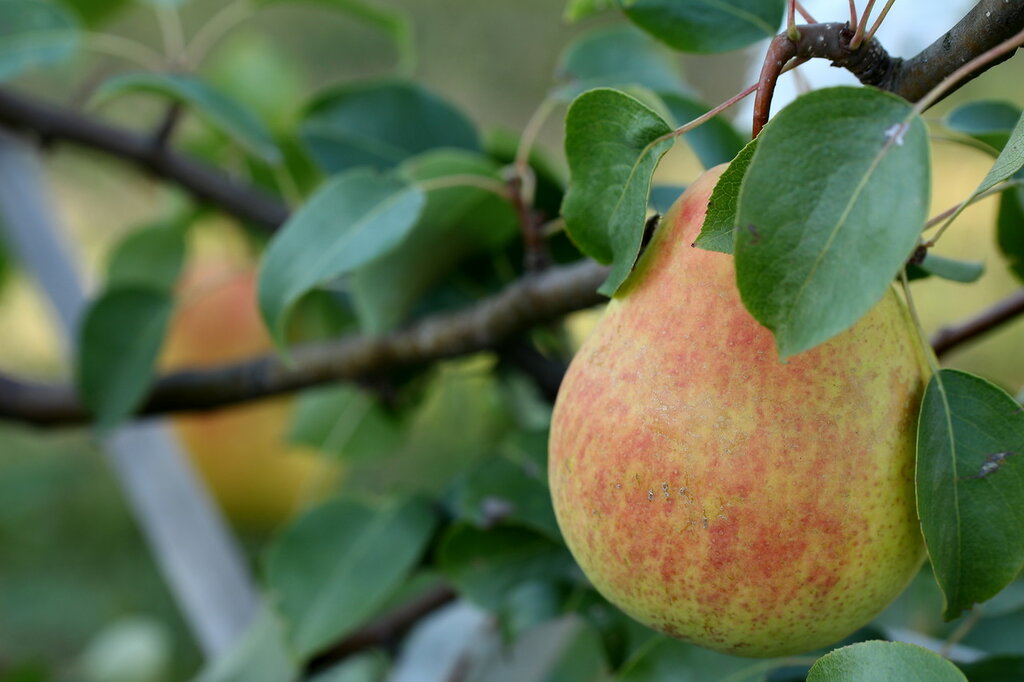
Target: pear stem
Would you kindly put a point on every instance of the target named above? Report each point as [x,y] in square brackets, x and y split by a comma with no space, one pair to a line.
[922,338]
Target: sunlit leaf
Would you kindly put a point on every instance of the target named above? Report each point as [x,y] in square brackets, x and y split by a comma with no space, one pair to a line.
[822,233]
[216,108]
[970,487]
[355,218]
[613,144]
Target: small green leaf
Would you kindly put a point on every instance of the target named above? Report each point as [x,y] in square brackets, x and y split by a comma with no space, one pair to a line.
[719,230]
[381,123]
[707,26]
[614,57]
[219,110]
[1010,229]
[613,144]
[947,268]
[715,141]
[1009,161]
[395,25]
[989,122]
[352,220]
[119,341]
[337,564]
[970,487]
[581,9]
[830,209]
[485,565]
[876,661]
[345,422]
[259,655]
[457,221]
[149,258]
[34,33]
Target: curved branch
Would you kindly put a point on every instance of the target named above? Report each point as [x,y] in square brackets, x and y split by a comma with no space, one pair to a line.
[487,325]
[205,183]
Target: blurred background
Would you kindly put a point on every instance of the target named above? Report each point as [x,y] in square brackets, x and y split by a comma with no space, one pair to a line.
[76,582]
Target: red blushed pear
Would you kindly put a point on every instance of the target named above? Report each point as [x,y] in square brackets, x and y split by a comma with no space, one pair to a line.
[723,497]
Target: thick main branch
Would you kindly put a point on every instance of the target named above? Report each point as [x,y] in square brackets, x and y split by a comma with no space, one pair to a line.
[487,325]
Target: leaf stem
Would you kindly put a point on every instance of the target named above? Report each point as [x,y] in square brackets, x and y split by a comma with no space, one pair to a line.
[521,164]
[922,338]
[878,22]
[952,213]
[858,35]
[791,31]
[172,33]
[466,180]
[853,16]
[214,29]
[962,630]
[124,48]
[804,13]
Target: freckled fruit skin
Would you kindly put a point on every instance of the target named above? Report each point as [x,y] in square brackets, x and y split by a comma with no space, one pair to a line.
[718,495]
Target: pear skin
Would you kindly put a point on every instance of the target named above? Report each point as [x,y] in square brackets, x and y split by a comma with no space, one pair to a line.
[719,495]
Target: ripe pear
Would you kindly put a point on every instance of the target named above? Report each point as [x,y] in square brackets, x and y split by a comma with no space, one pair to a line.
[719,495]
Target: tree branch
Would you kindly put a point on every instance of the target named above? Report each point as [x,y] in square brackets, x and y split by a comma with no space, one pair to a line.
[948,338]
[987,25]
[205,183]
[531,301]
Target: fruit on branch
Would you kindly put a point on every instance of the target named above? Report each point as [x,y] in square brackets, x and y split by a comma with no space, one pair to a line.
[258,479]
[723,497]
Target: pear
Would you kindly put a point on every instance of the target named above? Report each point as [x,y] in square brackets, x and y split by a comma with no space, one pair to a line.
[719,495]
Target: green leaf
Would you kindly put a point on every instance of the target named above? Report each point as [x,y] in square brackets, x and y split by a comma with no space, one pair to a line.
[343,421]
[118,344]
[395,25]
[352,220]
[381,123]
[149,258]
[875,661]
[715,141]
[259,655]
[581,9]
[508,491]
[707,26]
[995,669]
[567,649]
[337,564]
[613,57]
[830,209]
[1010,229]
[486,565]
[947,268]
[95,12]
[970,487]
[1009,161]
[612,144]
[219,110]
[989,122]
[663,659]
[34,33]
[718,233]
[458,221]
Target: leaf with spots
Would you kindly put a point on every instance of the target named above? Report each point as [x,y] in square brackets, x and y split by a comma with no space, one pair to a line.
[832,206]
[970,487]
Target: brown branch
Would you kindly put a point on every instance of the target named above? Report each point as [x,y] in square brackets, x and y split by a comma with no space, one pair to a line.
[987,25]
[204,182]
[949,338]
[386,631]
[487,325]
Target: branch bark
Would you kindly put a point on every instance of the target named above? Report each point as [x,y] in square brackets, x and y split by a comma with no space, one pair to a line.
[487,325]
[949,338]
[205,183]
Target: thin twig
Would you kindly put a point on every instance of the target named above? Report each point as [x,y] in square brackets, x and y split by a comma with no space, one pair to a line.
[949,338]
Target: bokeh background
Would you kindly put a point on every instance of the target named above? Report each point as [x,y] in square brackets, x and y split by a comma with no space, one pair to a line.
[76,582]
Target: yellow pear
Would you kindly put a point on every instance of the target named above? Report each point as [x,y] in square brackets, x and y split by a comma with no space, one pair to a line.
[716,494]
